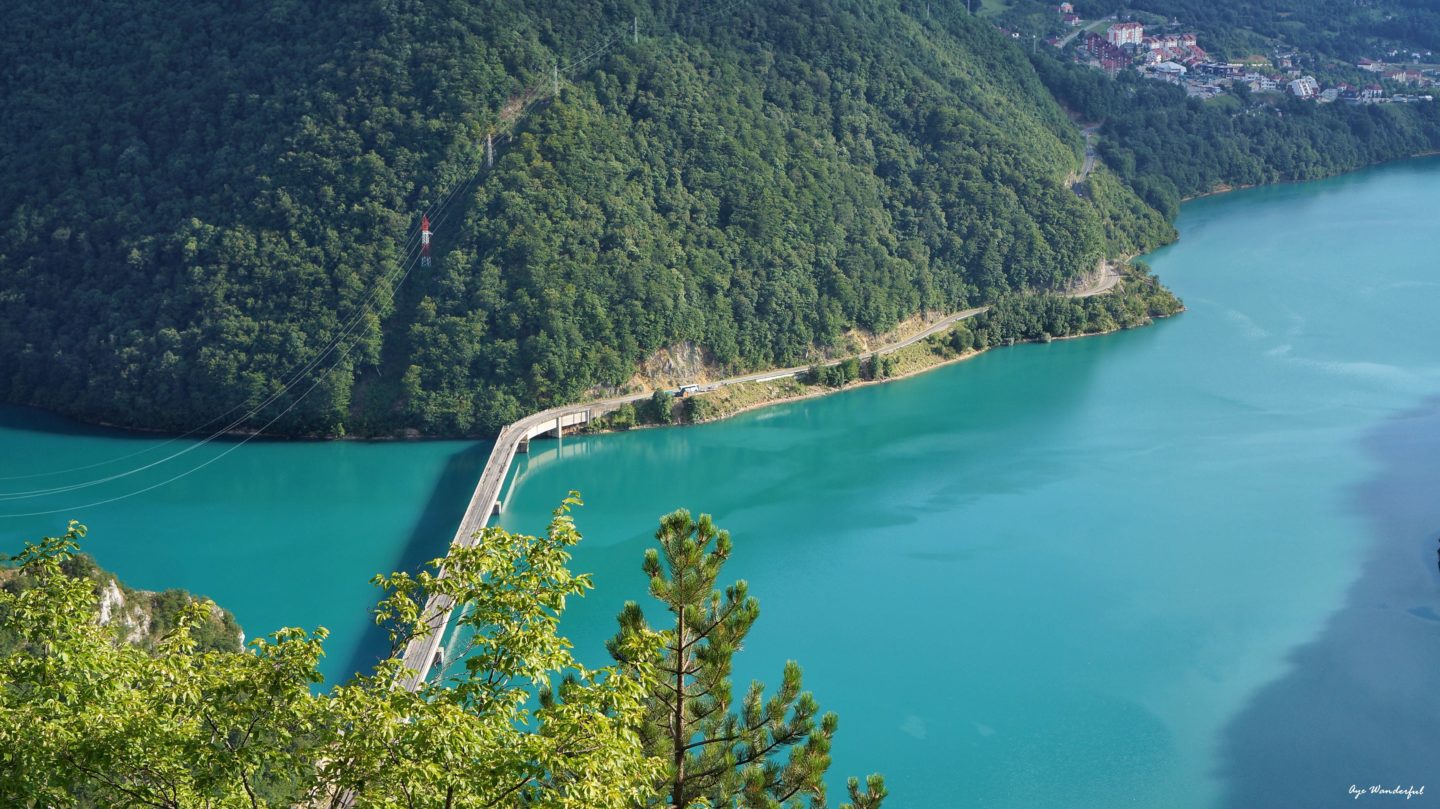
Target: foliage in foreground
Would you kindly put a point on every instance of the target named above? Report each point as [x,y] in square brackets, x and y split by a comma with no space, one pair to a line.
[89,720]
[86,720]
[142,616]
[711,752]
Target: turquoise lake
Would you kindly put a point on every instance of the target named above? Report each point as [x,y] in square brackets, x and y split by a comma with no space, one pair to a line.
[1192,565]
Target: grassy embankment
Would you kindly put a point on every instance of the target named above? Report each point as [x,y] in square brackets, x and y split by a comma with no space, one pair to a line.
[1136,301]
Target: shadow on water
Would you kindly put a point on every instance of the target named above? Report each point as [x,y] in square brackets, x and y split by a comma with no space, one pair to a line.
[1358,705]
[429,537]
[23,418]
[36,420]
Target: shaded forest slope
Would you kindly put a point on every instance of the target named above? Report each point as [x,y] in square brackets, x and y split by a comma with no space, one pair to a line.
[197,201]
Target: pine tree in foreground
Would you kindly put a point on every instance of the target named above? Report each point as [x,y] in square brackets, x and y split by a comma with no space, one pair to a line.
[716,756]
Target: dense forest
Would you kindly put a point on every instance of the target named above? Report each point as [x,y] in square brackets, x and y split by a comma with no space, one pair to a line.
[202,205]
[208,213]
[1168,147]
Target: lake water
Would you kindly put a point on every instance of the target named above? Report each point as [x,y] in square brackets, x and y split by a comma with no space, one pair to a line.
[1192,565]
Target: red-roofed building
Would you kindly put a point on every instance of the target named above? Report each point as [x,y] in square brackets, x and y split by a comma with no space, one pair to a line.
[1109,55]
[1404,76]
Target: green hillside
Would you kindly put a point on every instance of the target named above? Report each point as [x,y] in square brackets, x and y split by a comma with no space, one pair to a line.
[203,203]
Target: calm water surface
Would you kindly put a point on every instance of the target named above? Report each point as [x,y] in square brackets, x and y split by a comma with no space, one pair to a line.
[1188,566]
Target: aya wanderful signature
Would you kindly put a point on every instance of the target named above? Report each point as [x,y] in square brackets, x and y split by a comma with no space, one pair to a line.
[1409,792]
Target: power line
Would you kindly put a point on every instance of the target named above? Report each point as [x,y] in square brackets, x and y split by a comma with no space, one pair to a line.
[296,377]
[439,208]
[443,214]
[294,380]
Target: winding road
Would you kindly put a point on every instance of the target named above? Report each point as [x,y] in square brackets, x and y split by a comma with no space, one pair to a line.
[1090,26]
[1089,164]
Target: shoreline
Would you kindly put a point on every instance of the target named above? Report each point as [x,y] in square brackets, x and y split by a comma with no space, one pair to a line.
[250,435]
[821,391]
[1228,189]
[812,391]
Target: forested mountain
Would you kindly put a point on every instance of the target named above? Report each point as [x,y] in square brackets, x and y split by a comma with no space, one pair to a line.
[1168,147]
[198,200]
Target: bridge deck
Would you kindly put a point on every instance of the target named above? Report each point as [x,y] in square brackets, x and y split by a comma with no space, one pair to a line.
[419,654]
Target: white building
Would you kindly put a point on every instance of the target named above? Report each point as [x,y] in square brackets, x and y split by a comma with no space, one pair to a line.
[1260,83]
[1125,33]
[1304,87]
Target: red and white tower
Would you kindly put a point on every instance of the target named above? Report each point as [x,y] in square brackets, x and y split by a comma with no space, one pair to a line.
[424,240]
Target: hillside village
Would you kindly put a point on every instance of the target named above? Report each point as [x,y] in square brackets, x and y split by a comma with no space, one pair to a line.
[1114,45]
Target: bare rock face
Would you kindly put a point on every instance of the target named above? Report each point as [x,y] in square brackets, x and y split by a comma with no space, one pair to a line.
[111,602]
[141,616]
[133,620]
[683,363]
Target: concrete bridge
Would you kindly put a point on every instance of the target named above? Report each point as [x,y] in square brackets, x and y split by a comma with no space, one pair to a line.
[421,654]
